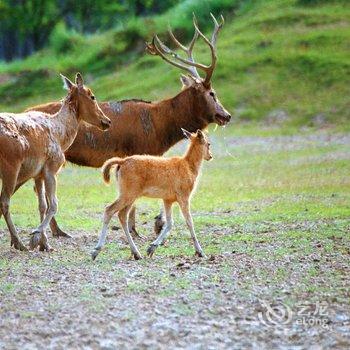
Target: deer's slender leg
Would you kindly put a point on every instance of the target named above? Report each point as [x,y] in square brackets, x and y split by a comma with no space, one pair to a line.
[9,179]
[38,235]
[165,229]
[123,218]
[132,224]
[56,231]
[107,217]
[17,187]
[159,223]
[185,209]
[42,200]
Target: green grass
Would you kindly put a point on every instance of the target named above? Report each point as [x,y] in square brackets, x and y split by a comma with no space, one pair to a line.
[273,55]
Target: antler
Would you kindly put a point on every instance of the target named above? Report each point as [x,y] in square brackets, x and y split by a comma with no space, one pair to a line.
[212,44]
[157,47]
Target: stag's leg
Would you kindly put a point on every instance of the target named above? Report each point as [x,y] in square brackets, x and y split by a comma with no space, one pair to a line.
[159,223]
[38,235]
[185,209]
[9,179]
[165,230]
[56,231]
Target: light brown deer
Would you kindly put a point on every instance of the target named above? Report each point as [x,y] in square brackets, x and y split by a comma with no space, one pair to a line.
[32,146]
[140,127]
[171,179]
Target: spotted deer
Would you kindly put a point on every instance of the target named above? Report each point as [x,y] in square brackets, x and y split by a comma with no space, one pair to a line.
[32,146]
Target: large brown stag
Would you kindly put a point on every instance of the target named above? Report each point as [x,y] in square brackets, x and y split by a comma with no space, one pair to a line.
[140,127]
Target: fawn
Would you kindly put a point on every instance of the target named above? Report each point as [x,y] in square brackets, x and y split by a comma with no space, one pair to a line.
[171,179]
[32,146]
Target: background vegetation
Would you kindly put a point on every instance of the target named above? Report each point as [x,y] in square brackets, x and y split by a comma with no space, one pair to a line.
[284,62]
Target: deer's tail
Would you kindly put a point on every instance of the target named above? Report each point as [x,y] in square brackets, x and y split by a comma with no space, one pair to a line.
[108,165]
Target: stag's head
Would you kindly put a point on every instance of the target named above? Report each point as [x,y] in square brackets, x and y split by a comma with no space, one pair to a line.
[83,102]
[205,94]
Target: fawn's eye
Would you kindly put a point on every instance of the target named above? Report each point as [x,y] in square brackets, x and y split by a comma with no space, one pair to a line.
[92,97]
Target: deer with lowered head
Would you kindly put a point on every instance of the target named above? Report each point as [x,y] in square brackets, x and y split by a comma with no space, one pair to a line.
[170,179]
[140,127]
[32,146]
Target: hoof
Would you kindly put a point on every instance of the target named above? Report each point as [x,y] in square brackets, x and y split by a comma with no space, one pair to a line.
[35,239]
[200,254]
[137,256]
[59,233]
[17,244]
[94,253]
[136,235]
[151,249]
[45,248]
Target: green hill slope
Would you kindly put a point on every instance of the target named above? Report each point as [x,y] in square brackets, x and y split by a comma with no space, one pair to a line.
[279,62]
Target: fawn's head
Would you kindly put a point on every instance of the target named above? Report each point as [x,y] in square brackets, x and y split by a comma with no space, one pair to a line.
[202,91]
[82,100]
[201,140]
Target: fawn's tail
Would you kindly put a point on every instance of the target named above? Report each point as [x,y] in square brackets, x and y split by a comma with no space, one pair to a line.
[108,165]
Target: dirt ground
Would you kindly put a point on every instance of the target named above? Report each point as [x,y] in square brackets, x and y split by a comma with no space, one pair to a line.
[173,302]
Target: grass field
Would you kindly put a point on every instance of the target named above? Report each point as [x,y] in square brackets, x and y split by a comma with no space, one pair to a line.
[272,210]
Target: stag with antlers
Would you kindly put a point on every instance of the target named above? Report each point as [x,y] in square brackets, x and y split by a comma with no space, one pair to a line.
[140,127]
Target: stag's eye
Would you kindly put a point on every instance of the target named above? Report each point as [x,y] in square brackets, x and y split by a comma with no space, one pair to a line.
[212,94]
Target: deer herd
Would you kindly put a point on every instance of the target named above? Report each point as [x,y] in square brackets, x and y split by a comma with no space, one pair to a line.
[130,136]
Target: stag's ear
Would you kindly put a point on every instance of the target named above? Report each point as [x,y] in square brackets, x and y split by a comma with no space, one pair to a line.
[79,80]
[67,84]
[186,80]
[186,133]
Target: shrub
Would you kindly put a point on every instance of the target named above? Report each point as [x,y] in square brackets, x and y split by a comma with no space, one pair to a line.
[63,39]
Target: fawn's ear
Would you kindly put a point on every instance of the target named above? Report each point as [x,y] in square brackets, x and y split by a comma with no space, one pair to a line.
[79,80]
[186,133]
[200,135]
[67,84]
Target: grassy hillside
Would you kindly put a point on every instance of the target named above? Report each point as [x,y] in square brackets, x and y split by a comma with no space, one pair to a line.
[284,62]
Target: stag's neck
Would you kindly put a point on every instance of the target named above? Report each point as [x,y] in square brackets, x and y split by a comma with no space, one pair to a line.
[181,111]
[194,157]
[64,126]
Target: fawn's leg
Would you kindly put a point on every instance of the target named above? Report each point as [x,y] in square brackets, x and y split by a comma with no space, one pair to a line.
[38,235]
[9,179]
[108,214]
[123,218]
[132,223]
[165,229]
[185,209]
